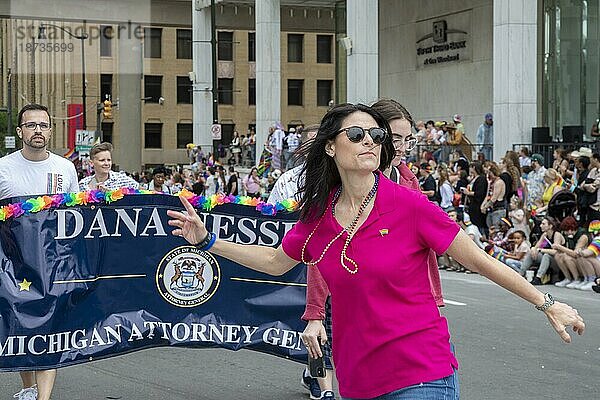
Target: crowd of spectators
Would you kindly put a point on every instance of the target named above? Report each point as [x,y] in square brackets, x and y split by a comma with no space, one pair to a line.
[541,220]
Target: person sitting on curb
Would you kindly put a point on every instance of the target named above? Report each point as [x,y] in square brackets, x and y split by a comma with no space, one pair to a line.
[542,253]
[567,258]
[589,259]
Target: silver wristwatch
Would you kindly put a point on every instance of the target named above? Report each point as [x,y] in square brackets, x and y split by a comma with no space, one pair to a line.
[549,301]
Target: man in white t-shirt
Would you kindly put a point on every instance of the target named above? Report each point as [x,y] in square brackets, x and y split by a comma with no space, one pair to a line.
[35,171]
[288,184]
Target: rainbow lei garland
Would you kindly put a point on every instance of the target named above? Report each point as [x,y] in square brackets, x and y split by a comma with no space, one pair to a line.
[37,204]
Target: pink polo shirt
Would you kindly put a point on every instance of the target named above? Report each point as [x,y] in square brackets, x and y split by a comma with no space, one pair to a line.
[385,318]
[317,292]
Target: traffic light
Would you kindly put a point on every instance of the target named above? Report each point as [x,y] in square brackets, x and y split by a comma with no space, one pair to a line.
[107,112]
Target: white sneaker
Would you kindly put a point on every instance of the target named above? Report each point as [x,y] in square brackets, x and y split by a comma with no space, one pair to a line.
[587,286]
[563,283]
[574,284]
[27,394]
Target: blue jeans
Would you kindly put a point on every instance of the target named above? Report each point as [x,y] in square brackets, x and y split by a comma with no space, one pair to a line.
[442,389]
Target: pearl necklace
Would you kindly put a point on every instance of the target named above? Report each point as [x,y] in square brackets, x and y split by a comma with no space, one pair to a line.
[349,230]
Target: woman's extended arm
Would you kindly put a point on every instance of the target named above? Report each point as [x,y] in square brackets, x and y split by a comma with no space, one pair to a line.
[259,258]
[560,315]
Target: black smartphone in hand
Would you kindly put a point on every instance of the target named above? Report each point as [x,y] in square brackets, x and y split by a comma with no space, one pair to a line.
[316,366]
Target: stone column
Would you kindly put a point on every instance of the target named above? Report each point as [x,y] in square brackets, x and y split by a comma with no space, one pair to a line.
[202,83]
[128,148]
[363,62]
[515,73]
[268,69]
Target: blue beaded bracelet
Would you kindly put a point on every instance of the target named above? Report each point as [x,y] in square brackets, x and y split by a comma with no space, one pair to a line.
[213,239]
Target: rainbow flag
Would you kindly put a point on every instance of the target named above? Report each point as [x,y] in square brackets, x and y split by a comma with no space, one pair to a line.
[497,252]
[565,185]
[545,243]
[72,154]
[595,246]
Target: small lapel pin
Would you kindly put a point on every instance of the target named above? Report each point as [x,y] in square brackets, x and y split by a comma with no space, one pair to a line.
[383,232]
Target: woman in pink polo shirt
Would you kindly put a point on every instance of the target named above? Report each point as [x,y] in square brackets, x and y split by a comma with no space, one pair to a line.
[373,255]
[317,312]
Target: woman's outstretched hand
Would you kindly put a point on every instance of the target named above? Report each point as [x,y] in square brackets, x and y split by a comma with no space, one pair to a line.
[189,225]
[561,316]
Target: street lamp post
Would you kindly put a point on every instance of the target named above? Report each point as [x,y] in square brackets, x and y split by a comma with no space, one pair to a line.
[82,37]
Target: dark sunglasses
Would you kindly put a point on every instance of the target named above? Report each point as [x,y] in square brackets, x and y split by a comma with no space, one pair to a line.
[357,134]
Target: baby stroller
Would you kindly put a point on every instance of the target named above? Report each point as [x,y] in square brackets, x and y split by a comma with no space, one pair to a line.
[560,206]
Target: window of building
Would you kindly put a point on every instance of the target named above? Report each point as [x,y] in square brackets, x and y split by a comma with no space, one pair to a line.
[152,135]
[295,47]
[184,44]
[225,46]
[225,90]
[295,92]
[106,35]
[105,86]
[324,49]
[184,90]
[185,135]
[324,92]
[152,88]
[252,92]
[152,42]
[107,132]
[251,46]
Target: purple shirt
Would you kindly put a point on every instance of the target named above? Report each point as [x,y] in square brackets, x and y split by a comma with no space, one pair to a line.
[387,330]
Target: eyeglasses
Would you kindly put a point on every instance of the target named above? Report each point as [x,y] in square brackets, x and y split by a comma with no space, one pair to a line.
[356,134]
[409,143]
[32,125]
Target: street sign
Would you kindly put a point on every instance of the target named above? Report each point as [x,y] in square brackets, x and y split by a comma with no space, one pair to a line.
[84,138]
[10,142]
[215,131]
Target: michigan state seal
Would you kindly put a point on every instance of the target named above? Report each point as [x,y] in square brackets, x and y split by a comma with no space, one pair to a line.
[187,276]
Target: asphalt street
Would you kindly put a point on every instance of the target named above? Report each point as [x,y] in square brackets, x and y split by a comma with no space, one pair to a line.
[506,350]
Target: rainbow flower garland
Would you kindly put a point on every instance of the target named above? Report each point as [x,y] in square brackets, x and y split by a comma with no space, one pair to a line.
[37,204]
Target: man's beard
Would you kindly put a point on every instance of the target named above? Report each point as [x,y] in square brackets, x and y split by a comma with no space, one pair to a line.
[35,144]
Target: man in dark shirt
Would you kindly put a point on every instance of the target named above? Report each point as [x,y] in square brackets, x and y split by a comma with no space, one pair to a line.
[232,182]
[427,182]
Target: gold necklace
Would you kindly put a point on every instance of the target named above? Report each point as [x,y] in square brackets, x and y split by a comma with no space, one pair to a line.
[349,230]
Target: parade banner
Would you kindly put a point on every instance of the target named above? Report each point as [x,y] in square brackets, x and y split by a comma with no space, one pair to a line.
[85,282]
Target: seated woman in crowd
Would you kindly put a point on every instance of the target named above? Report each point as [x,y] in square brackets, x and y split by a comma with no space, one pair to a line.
[576,239]
[553,182]
[588,259]
[542,253]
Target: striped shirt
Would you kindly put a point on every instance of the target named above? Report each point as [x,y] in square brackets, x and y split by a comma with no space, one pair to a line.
[115,181]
